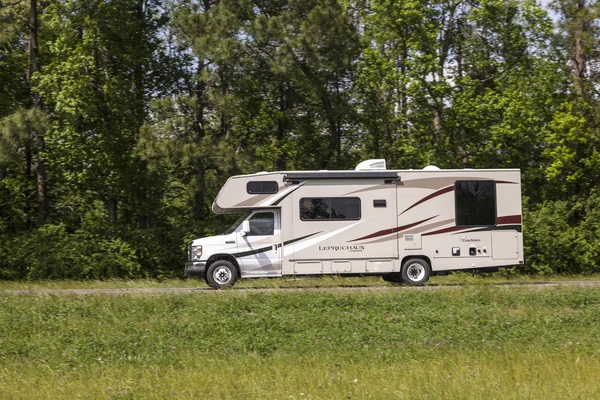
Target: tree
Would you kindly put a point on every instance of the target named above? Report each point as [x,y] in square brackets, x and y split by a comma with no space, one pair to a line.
[104,63]
[571,154]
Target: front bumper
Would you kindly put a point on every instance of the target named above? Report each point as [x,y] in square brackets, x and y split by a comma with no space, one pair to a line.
[195,268]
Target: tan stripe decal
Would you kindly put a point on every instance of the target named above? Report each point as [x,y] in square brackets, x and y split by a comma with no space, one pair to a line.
[377,187]
[433,183]
[431,196]
[252,200]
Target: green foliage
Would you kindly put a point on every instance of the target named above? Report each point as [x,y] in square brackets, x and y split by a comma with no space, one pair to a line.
[51,252]
[16,134]
[564,237]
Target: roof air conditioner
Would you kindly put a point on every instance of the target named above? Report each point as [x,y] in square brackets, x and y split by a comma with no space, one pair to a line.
[371,165]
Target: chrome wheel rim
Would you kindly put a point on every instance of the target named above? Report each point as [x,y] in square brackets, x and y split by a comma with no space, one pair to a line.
[415,272]
[222,275]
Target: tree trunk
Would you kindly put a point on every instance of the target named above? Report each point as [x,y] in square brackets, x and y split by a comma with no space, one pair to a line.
[38,137]
[112,205]
[27,208]
[579,61]
[437,116]
[334,135]
[281,126]
[138,87]
[42,190]
[199,131]
[144,217]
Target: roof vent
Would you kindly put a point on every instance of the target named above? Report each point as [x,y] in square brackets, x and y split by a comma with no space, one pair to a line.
[431,168]
[371,165]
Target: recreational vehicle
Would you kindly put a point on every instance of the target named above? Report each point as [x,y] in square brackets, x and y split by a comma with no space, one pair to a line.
[402,225]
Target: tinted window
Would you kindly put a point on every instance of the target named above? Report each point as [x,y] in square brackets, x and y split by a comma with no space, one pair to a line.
[329,208]
[475,203]
[262,224]
[262,187]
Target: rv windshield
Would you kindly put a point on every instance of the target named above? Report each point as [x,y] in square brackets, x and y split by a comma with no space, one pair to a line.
[237,223]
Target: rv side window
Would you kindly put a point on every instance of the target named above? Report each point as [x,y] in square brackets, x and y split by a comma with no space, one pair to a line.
[262,224]
[475,203]
[329,208]
[262,187]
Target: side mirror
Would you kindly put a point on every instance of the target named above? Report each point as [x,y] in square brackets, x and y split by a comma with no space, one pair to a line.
[245,227]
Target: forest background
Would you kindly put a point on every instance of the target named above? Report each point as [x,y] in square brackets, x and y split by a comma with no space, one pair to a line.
[121,119]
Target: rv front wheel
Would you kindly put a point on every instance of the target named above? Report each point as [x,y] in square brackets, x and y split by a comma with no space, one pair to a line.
[221,274]
[416,272]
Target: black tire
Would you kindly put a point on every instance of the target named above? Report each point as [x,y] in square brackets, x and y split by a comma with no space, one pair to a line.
[416,272]
[221,274]
[394,277]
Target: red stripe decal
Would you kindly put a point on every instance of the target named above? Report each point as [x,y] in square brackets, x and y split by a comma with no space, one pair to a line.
[510,219]
[392,230]
[431,196]
[445,230]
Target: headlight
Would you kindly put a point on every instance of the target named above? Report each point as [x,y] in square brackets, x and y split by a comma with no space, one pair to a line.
[195,252]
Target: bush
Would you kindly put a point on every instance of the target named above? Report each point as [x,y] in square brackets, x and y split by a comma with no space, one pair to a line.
[563,237]
[51,252]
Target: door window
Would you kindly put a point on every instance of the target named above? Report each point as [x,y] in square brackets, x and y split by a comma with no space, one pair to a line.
[262,224]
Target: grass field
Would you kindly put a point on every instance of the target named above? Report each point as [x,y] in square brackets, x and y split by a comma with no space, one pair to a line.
[475,342]
[325,281]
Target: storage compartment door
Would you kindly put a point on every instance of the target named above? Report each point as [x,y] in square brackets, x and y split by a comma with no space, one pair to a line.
[341,266]
[505,245]
[308,268]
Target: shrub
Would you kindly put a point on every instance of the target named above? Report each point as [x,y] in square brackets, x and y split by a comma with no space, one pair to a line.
[51,252]
[563,237]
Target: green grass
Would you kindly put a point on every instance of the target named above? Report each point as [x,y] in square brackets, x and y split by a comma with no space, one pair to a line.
[301,282]
[476,342]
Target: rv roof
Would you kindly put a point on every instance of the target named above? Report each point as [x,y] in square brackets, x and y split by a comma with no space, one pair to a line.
[292,176]
[389,174]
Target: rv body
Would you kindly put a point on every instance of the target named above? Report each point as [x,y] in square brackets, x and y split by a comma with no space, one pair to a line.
[404,225]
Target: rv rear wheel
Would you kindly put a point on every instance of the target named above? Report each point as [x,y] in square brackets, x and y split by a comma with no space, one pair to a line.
[221,274]
[392,278]
[416,272]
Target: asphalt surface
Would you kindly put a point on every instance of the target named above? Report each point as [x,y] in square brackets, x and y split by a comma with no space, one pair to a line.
[343,288]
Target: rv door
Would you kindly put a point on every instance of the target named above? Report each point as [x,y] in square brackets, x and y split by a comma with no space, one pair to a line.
[259,249]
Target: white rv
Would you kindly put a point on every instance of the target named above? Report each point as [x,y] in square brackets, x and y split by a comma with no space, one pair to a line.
[403,225]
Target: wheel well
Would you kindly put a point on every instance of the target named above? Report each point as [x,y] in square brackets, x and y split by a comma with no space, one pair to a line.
[424,258]
[226,257]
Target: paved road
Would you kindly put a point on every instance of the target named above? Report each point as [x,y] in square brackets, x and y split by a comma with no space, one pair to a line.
[243,290]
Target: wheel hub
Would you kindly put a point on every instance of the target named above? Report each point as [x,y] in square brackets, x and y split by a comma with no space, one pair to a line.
[222,275]
[416,272]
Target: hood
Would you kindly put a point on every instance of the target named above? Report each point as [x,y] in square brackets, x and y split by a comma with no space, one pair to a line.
[218,240]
